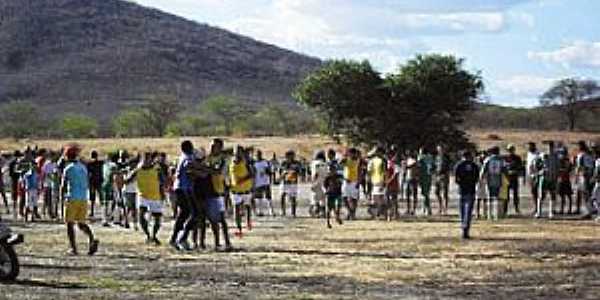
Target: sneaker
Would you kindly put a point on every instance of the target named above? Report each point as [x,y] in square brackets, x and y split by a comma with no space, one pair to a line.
[156,241]
[184,246]
[105,224]
[71,252]
[93,247]
[551,216]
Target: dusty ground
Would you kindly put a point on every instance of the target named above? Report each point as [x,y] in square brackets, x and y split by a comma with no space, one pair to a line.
[516,258]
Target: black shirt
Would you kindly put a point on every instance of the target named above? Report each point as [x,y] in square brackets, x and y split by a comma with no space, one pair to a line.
[467,175]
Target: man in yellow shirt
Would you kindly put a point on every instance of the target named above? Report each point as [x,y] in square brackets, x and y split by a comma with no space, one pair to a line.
[350,192]
[376,176]
[147,176]
[290,173]
[241,175]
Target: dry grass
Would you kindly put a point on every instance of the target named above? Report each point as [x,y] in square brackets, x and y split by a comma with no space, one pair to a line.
[418,257]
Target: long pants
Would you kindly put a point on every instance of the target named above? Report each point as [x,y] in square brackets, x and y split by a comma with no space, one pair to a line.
[188,217]
[493,202]
[466,212]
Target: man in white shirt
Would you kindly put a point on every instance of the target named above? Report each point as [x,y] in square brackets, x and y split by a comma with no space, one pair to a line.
[262,184]
[531,175]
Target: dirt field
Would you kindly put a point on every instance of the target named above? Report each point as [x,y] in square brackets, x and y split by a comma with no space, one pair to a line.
[282,258]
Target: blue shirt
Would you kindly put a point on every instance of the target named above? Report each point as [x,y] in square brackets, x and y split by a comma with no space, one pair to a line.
[31,180]
[182,179]
[75,177]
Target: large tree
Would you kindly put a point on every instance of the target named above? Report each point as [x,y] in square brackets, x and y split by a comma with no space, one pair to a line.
[423,103]
[567,95]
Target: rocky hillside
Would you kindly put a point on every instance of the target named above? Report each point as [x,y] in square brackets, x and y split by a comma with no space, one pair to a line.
[97,57]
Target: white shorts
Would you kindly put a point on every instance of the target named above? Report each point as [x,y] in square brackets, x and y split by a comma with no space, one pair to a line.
[32,198]
[290,189]
[239,199]
[153,206]
[378,191]
[350,190]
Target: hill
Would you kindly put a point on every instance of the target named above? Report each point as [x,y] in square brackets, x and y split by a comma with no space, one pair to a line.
[70,55]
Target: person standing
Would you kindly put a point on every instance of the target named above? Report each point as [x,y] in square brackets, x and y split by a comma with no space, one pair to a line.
[74,188]
[187,217]
[547,167]
[466,176]
[15,175]
[565,189]
[94,167]
[492,172]
[584,170]
[531,174]
[350,188]
[241,177]
[332,184]
[441,173]
[147,178]
[108,195]
[262,184]
[412,183]
[514,169]
[319,171]
[290,172]
[376,177]
[392,184]
[425,178]
[217,163]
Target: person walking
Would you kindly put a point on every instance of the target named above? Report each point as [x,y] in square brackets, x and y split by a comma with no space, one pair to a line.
[466,175]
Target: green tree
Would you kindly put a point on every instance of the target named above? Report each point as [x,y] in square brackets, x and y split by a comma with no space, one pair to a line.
[225,111]
[567,95]
[20,119]
[349,94]
[131,123]
[159,112]
[423,103]
[78,126]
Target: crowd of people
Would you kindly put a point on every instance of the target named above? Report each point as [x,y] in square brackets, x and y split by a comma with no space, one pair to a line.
[205,188]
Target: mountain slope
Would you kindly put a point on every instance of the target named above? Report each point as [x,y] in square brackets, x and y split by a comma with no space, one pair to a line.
[68,55]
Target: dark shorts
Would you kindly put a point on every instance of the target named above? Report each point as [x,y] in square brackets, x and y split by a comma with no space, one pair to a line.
[547,185]
[494,191]
[130,200]
[334,201]
[107,194]
[262,192]
[213,210]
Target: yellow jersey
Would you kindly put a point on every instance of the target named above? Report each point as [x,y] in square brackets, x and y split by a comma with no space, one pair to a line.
[237,172]
[376,171]
[148,182]
[351,171]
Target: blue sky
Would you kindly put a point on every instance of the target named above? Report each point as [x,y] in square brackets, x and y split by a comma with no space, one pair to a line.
[521,46]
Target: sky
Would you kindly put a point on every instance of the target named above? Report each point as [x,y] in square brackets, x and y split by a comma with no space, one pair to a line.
[521,47]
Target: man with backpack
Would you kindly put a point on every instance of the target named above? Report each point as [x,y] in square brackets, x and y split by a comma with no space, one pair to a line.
[492,172]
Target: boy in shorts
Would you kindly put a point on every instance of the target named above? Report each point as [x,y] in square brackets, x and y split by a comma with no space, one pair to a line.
[147,176]
[241,176]
[290,173]
[333,189]
[74,188]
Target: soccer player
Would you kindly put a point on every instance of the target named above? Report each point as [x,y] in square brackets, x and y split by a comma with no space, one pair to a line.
[290,171]
[108,195]
[216,161]
[147,178]
[514,168]
[187,218]
[262,184]
[130,194]
[241,176]
[466,176]
[350,188]
[319,170]
[74,188]
[332,184]
[547,167]
[376,176]
[31,181]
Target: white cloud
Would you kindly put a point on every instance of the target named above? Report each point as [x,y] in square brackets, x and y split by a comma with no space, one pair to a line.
[579,54]
[526,86]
